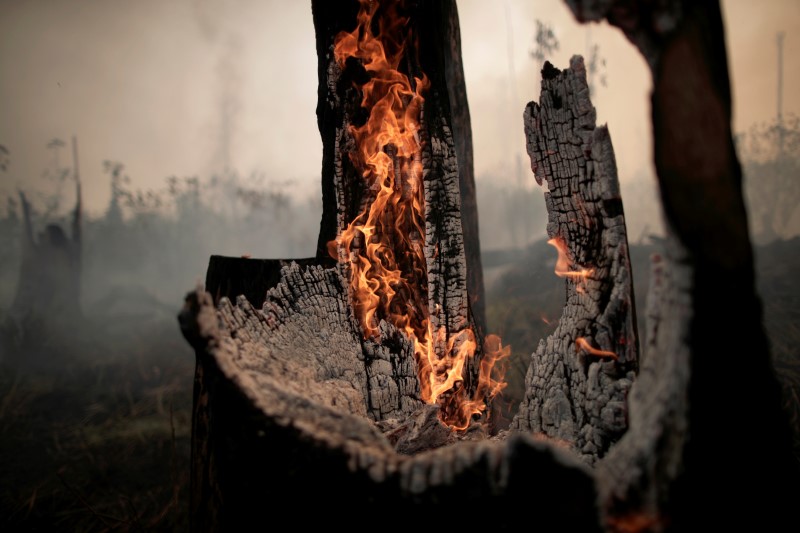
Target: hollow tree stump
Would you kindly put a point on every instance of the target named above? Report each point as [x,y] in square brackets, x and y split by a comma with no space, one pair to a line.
[294,402]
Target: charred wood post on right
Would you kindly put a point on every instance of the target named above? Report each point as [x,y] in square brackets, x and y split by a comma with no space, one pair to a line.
[296,383]
[579,377]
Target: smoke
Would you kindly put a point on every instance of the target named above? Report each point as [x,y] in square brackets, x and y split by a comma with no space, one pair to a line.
[229,102]
[216,22]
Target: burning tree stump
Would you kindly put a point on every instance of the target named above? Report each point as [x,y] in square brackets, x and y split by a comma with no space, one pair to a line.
[363,377]
[579,377]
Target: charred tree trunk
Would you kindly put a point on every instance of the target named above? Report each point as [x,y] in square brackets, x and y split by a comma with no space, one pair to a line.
[461,124]
[47,299]
[579,377]
[708,370]
[439,58]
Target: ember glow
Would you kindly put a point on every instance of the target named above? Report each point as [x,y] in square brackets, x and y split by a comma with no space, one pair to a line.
[384,244]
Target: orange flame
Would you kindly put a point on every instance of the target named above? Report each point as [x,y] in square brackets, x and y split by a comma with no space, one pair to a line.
[636,523]
[384,244]
[582,344]
[564,265]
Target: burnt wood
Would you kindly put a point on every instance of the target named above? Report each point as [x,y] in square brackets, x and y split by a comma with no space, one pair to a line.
[293,404]
[579,377]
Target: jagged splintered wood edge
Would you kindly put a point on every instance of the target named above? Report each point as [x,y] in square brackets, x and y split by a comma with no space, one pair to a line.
[301,364]
[324,445]
[330,411]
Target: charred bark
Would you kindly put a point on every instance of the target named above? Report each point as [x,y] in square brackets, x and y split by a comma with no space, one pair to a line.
[441,60]
[579,377]
[461,123]
[273,430]
[699,383]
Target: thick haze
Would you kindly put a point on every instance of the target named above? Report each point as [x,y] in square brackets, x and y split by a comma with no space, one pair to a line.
[188,87]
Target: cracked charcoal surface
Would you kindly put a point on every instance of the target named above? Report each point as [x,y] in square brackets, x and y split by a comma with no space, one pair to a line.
[651,449]
[571,395]
[306,342]
[296,394]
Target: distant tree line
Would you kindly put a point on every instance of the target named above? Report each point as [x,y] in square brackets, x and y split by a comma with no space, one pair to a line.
[159,240]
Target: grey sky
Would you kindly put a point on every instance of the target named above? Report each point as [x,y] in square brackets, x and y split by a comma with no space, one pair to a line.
[145,82]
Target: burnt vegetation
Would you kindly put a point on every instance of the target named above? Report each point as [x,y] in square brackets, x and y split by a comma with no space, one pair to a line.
[95,406]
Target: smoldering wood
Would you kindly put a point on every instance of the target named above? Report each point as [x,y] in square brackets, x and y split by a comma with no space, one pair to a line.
[302,352]
[275,430]
[570,394]
[698,383]
[290,394]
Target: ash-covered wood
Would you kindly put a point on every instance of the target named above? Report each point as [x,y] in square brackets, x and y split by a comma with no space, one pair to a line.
[579,377]
[292,405]
[651,451]
[277,431]
[293,394]
[290,389]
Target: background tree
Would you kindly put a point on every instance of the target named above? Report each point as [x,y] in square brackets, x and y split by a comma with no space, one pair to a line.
[770,155]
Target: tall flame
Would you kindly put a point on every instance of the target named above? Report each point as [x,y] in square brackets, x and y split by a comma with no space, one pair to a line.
[384,244]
